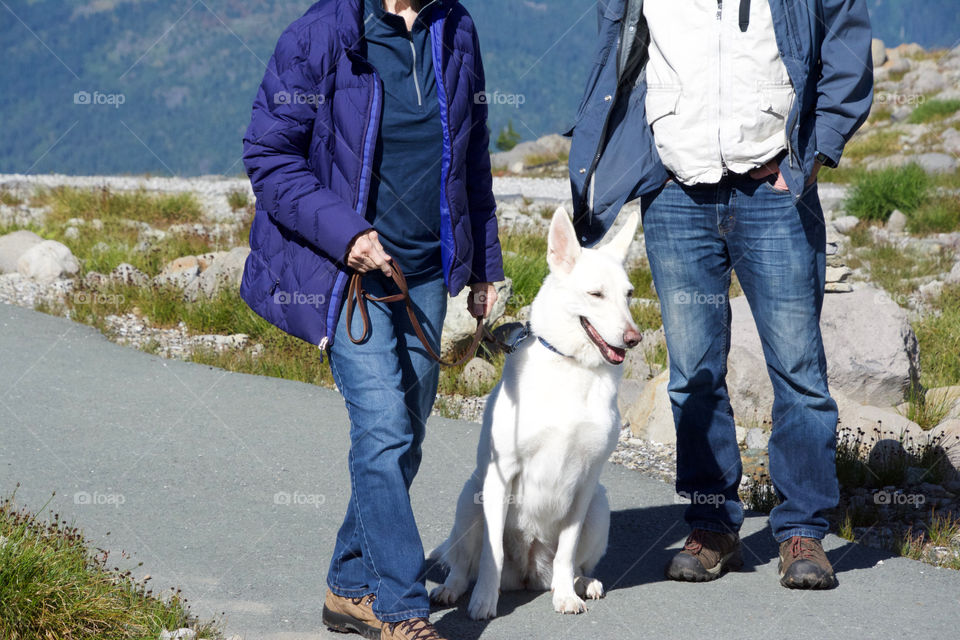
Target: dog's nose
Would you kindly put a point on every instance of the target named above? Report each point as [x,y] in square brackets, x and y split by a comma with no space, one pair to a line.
[632,337]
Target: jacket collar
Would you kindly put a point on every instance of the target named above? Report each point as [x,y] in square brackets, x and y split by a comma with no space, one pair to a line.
[350,20]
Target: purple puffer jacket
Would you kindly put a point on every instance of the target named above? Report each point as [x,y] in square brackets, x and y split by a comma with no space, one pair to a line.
[309,153]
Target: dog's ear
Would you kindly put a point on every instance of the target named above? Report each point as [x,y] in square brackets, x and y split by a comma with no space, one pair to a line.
[562,246]
[619,246]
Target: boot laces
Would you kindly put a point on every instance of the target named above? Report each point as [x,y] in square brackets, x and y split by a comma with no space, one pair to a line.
[801,548]
[417,628]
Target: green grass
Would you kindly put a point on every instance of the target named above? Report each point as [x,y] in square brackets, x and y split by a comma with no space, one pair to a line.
[876,194]
[928,410]
[155,209]
[884,142]
[452,381]
[939,215]
[934,111]
[525,262]
[238,199]
[892,268]
[54,586]
[939,338]
[9,198]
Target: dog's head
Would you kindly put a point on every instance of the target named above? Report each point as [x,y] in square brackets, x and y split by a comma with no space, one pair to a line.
[584,306]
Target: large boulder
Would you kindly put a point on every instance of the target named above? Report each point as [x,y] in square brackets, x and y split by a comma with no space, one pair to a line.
[547,146]
[225,270]
[879,52]
[47,261]
[651,416]
[870,346]
[459,326]
[13,245]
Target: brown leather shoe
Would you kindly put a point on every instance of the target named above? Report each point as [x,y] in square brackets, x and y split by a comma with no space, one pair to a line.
[705,556]
[412,629]
[804,565]
[351,615]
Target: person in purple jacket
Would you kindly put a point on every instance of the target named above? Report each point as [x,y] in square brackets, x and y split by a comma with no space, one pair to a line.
[369,148]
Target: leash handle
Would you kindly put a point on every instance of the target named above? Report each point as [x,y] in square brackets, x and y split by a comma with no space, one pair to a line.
[357,298]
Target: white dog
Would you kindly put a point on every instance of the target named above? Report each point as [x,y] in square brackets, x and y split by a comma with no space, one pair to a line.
[534,515]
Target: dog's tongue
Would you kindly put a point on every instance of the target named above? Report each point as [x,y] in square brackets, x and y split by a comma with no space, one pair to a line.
[613,355]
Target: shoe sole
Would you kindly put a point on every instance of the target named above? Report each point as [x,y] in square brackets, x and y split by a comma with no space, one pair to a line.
[733,561]
[342,623]
[808,581]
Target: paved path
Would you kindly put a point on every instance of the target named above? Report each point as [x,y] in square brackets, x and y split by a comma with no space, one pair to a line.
[182,464]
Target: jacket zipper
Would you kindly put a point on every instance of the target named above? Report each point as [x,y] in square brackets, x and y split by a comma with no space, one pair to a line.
[444,100]
[416,75]
[723,162]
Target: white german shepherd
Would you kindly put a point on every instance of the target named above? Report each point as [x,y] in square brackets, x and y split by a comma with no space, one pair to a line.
[534,515]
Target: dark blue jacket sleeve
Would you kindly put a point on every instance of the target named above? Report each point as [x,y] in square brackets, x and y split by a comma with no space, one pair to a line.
[276,147]
[487,257]
[845,88]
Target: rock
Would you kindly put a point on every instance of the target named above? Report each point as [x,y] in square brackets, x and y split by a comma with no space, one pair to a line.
[838,274]
[13,245]
[179,634]
[897,222]
[551,145]
[879,424]
[838,287]
[937,162]
[479,373]
[741,435]
[71,233]
[908,49]
[954,276]
[47,261]
[931,290]
[845,224]
[651,416]
[628,394]
[950,139]
[870,346]
[635,367]
[94,279]
[947,435]
[459,326]
[179,273]
[226,270]
[757,439]
[879,52]
[129,274]
[923,81]
[915,475]
[516,167]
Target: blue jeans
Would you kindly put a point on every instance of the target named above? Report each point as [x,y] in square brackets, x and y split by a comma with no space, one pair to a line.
[389,383]
[695,236]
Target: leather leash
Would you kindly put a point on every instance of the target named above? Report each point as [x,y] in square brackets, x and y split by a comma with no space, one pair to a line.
[357,298]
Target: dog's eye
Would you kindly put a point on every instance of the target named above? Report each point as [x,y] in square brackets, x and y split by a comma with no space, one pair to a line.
[630,293]
[597,294]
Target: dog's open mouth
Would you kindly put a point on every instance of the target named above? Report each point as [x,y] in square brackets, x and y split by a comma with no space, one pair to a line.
[613,355]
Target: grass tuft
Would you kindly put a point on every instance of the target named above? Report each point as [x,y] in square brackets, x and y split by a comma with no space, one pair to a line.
[876,194]
[934,111]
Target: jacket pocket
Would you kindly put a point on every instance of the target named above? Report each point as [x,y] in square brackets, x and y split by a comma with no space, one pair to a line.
[777,99]
[662,101]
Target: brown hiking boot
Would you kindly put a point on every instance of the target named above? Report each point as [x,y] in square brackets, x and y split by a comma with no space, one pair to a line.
[705,555]
[804,565]
[351,615]
[412,629]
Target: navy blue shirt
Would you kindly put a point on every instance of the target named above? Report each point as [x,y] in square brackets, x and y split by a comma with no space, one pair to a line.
[404,204]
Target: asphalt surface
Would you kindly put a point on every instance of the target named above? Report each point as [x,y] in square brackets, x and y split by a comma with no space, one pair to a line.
[232,486]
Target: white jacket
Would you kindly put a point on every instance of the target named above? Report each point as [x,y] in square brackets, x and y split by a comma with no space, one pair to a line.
[717,98]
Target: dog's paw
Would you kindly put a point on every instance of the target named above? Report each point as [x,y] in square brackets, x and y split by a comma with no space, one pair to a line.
[570,603]
[589,588]
[483,605]
[445,594]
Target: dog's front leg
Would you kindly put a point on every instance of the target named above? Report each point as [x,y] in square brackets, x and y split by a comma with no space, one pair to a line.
[565,598]
[486,593]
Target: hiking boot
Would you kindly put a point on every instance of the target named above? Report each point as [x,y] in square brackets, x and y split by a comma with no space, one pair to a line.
[351,615]
[412,629]
[705,556]
[804,565]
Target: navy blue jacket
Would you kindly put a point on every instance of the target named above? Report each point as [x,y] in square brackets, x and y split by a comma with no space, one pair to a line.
[825,45]
[309,153]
